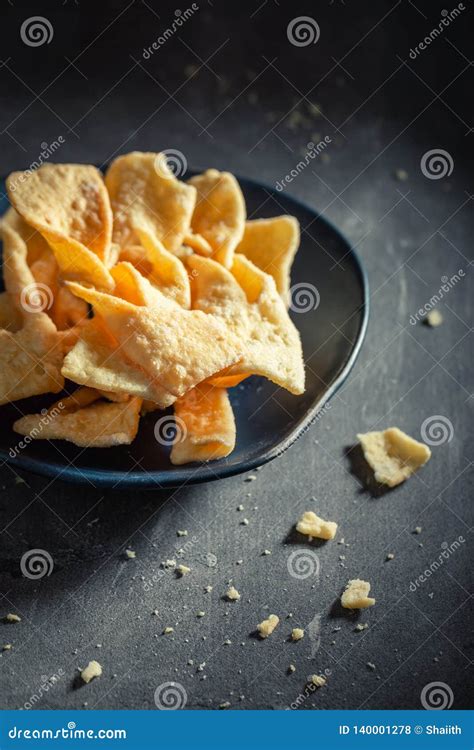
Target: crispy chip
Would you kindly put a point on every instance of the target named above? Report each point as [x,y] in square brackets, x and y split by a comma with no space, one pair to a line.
[84,421]
[17,275]
[177,348]
[219,215]
[271,244]
[68,311]
[69,205]
[248,302]
[137,256]
[168,273]
[198,244]
[130,285]
[30,360]
[205,425]
[145,194]
[37,247]
[10,318]
[96,360]
[393,455]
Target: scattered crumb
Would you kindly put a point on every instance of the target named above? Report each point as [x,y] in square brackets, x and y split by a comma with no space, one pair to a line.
[341,541]
[223,706]
[169,564]
[355,595]
[155,612]
[360,627]
[130,554]
[183,570]
[190,662]
[297,634]
[12,618]
[168,630]
[266,627]
[390,556]
[401,175]
[317,680]
[182,532]
[232,594]
[208,589]
[311,525]
[250,478]
[200,613]
[19,480]
[393,455]
[6,647]
[240,507]
[245,522]
[239,562]
[433,319]
[201,666]
[92,670]
[371,666]
[417,530]
[227,642]
[291,668]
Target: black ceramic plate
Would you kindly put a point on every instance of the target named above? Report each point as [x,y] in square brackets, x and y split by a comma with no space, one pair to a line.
[330,310]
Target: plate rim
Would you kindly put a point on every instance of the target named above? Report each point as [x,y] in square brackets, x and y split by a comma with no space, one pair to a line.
[204,472]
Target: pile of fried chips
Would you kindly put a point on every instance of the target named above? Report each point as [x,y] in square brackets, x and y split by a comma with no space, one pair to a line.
[147,292]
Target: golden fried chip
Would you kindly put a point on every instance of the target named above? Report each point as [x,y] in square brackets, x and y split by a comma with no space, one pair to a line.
[96,360]
[205,425]
[30,360]
[249,304]
[271,244]
[137,256]
[37,247]
[131,286]
[168,273]
[17,275]
[198,244]
[177,348]
[393,455]
[92,424]
[10,317]
[145,194]
[68,311]
[69,205]
[220,212]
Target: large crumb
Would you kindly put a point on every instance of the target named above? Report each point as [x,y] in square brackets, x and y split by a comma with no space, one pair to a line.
[355,595]
[317,680]
[232,594]
[297,634]
[393,455]
[12,618]
[313,526]
[92,670]
[130,554]
[266,627]
[433,319]
[183,570]
[168,630]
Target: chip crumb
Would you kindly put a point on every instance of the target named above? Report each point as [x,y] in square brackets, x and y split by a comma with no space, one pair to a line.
[355,595]
[168,630]
[250,478]
[208,589]
[130,554]
[245,522]
[200,613]
[371,666]
[92,670]
[361,626]
[240,507]
[417,530]
[183,570]
[401,175]
[433,319]
[12,618]
[155,612]
[297,634]
[390,556]
[201,666]
[317,680]
[315,527]
[291,668]
[182,532]
[266,552]
[232,594]
[6,647]
[393,455]
[169,564]
[227,642]
[223,706]
[266,627]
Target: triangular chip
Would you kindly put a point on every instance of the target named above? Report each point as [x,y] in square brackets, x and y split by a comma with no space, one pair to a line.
[168,273]
[220,212]
[90,424]
[96,360]
[30,360]
[393,455]
[271,244]
[69,205]
[198,244]
[205,425]
[145,193]
[177,348]
[249,304]
[131,286]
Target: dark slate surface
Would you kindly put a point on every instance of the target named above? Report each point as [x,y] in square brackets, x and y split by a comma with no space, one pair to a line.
[383,111]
